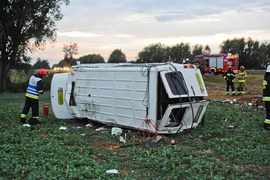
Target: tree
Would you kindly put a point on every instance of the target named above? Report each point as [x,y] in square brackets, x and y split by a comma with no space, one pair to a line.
[263,55]
[207,49]
[117,56]
[70,50]
[154,53]
[252,54]
[180,52]
[91,58]
[25,26]
[197,49]
[235,46]
[41,64]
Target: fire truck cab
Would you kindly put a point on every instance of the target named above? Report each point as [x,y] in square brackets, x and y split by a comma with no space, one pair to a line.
[216,63]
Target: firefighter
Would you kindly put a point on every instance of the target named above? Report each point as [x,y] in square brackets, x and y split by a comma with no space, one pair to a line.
[229,76]
[242,75]
[35,87]
[198,65]
[266,97]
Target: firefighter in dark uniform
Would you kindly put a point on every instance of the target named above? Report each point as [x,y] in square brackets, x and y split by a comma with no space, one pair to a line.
[266,97]
[198,65]
[229,76]
[35,87]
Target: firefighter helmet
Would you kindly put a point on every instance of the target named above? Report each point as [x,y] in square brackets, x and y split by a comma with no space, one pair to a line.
[42,72]
[229,67]
[268,68]
[242,67]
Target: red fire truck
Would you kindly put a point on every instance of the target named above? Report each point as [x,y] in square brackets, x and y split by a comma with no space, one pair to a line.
[216,63]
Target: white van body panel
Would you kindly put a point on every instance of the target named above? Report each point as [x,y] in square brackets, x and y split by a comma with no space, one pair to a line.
[170,95]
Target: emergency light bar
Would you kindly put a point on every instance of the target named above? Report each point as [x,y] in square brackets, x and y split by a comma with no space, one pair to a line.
[188,66]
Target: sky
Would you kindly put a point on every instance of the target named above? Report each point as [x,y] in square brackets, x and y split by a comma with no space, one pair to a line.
[99,27]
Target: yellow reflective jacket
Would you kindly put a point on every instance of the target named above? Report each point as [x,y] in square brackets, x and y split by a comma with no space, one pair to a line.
[242,76]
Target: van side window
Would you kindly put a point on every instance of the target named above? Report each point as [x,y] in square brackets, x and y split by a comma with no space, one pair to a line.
[72,101]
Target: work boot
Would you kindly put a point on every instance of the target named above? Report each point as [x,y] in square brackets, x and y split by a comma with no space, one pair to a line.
[266,126]
[33,121]
[23,120]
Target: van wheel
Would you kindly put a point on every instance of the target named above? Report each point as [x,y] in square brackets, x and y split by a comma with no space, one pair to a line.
[212,72]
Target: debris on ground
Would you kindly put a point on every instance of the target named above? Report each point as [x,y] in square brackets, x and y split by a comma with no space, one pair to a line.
[26,125]
[102,129]
[157,139]
[77,127]
[236,101]
[112,171]
[228,127]
[116,131]
[89,125]
[121,139]
[152,144]
[62,128]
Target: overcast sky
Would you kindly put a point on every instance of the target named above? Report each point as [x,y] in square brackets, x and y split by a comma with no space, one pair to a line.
[101,26]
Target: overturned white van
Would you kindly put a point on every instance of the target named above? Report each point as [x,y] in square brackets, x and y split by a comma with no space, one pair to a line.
[125,95]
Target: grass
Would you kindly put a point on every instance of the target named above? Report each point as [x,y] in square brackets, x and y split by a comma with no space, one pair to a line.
[216,87]
[211,151]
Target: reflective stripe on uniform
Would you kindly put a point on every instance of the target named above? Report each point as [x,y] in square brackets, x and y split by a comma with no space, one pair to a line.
[31,91]
[266,98]
[23,116]
[33,97]
[264,84]
[267,121]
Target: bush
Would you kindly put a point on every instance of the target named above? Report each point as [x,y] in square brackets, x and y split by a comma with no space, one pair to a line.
[17,87]
[19,82]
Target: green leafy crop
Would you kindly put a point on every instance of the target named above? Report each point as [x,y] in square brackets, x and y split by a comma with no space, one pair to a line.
[230,145]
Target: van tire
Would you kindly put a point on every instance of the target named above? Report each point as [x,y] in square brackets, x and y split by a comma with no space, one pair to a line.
[212,72]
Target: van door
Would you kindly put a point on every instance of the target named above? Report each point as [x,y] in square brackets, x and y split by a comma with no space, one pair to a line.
[58,89]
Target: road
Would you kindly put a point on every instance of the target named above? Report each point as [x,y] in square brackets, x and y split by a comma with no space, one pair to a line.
[255,71]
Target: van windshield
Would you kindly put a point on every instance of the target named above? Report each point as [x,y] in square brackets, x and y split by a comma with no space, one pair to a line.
[176,83]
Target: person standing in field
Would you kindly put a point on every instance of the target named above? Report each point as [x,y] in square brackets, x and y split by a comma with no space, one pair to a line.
[266,97]
[242,75]
[229,76]
[35,87]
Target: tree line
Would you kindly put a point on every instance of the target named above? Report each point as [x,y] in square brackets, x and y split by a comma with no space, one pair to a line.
[252,54]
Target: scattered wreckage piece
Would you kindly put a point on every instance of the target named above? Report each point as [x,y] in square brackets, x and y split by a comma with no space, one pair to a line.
[125,95]
[253,102]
